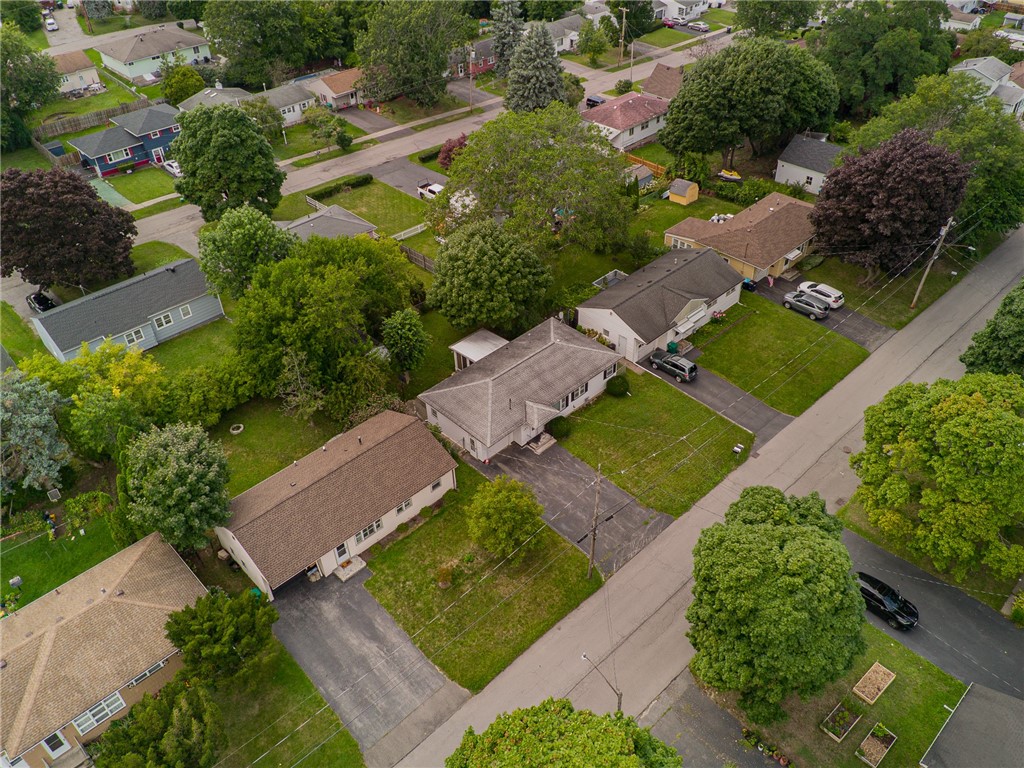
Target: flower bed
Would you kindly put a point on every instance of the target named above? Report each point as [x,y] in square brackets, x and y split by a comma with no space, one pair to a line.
[874,683]
[876,745]
[840,721]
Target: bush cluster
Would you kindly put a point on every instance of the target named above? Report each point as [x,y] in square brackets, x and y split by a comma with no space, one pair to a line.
[618,386]
[348,182]
[559,428]
[426,157]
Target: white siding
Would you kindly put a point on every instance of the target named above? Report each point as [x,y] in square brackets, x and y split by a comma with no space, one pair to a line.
[787,173]
[623,140]
[234,546]
[148,66]
[602,320]
[75,81]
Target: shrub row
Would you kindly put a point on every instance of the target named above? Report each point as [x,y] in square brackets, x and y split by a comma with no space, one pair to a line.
[202,395]
[426,157]
[348,182]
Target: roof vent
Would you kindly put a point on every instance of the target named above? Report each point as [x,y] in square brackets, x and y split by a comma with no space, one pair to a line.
[119,592]
[59,619]
[360,439]
[3,663]
[292,485]
[103,590]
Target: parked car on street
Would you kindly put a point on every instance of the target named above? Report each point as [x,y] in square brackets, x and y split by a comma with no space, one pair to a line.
[887,602]
[674,365]
[40,302]
[831,296]
[51,25]
[699,26]
[172,167]
[595,101]
[805,303]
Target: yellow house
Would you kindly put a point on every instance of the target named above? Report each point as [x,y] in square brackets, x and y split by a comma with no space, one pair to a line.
[765,239]
[683,192]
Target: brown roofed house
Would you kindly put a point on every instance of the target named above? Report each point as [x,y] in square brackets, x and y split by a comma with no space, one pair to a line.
[629,120]
[765,239]
[81,655]
[337,90]
[664,81]
[315,516]
[76,70]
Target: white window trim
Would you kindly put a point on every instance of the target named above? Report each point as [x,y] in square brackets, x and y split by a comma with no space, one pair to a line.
[579,392]
[436,484]
[60,751]
[563,403]
[610,371]
[154,135]
[369,531]
[175,128]
[403,506]
[341,551]
[164,320]
[131,339]
[186,312]
[121,154]
[110,706]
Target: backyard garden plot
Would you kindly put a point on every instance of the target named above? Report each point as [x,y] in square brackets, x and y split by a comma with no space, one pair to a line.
[658,444]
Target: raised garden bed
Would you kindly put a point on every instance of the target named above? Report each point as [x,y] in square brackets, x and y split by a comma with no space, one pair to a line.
[876,745]
[874,683]
[840,721]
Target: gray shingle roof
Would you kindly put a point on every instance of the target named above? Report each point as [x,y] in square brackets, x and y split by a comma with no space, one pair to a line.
[508,388]
[650,299]
[143,121]
[286,95]
[124,306]
[333,221]
[980,732]
[152,42]
[991,68]
[570,23]
[305,510]
[211,97]
[103,142]
[1010,94]
[680,186]
[811,154]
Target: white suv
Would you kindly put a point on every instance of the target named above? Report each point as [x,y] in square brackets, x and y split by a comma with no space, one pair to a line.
[826,293]
[699,26]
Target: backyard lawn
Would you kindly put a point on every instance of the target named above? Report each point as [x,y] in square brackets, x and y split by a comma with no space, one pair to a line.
[491,83]
[491,613]
[114,95]
[142,185]
[403,110]
[780,357]
[439,363]
[120,21]
[426,243]
[17,336]
[607,59]
[665,37]
[271,440]
[301,140]
[44,565]
[913,707]
[392,211]
[663,214]
[673,449]
[280,715]
[27,159]
[980,584]
[719,16]
[654,152]
[574,264]
[201,346]
[993,20]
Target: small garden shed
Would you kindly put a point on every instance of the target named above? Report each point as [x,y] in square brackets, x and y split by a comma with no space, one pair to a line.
[683,192]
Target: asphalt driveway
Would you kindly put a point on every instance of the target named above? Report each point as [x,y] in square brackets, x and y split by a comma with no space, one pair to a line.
[565,486]
[854,326]
[405,175]
[362,662]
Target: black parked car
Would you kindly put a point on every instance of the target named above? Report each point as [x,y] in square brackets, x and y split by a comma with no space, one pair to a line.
[887,602]
[40,302]
[674,365]
[749,285]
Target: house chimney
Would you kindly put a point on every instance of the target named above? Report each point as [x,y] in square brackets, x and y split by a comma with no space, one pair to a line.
[360,439]
[218,85]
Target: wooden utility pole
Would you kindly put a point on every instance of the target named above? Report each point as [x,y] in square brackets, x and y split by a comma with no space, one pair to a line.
[622,36]
[932,260]
[593,525]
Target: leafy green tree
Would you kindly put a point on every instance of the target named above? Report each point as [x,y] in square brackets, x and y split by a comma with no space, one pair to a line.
[256,37]
[407,341]
[268,118]
[535,72]
[547,10]
[98,9]
[484,275]
[639,17]
[765,17]
[979,43]
[574,92]
[878,50]
[122,529]
[554,733]
[222,638]
[225,161]
[775,608]
[152,9]
[952,111]
[244,239]
[593,41]
[941,470]
[32,450]
[542,171]
[327,126]
[177,483]
[24,13]
[879,206]
[761,89]
[187,9]
[405,48]
[180,726]
[180,83]
[999,346]
[503,518]
[508,32]
[28,78]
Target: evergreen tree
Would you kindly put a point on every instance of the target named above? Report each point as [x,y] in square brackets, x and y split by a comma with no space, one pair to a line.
[31,446]
[535,73]
[508,32]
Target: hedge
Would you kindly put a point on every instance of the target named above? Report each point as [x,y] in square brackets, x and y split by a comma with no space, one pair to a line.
[430,154]
[348,182]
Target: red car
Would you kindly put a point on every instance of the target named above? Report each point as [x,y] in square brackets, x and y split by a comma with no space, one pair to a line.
[668,23]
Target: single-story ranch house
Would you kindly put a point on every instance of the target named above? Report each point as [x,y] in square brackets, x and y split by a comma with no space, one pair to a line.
[806,161]
[139,55]
[509,395]
[765,239]
[141,311]
[337,90]
[137,139]
[332,221]
[81,655]
[629,120]
[76,71]
[319,513]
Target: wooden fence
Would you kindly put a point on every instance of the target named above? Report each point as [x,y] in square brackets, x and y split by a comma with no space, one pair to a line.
[418,258]
[657,170]
[90,119]
[69,160]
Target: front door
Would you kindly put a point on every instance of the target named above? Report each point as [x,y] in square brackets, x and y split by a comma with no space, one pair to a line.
[158,155]
[620,347]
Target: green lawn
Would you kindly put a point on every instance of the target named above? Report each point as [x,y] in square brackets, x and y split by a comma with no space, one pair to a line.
[301,140]
[392,211]
[913,707]
[719,16]
[333,153]
[142,185]
[120,21]
[272,439]
[426,243]
[982,585]
[607,59]
[16,335]
[202,346]
[663,214]
[280,719]
[114,95]
[665,37]
[439,363]
[448,119]
[673,449]
[44,565]
[27,159]
[705,207]
[993,20]
[38,40]
[574,264]
[473,634]
[64,138]
[491,83]
[432,164]
[779,356]
[627,64]
[403,110]
[155,208]
[655,152]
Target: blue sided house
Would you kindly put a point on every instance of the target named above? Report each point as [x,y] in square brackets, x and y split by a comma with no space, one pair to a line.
[141,311]
[138,138]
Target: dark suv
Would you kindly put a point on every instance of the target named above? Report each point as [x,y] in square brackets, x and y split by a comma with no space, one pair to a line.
[805,303]
[40,302]
[674,365]
[887,602]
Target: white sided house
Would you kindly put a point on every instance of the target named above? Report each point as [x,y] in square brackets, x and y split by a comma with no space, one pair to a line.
[510,394]
[76,70]
[291,100]
[142,311]
[665,301]
[314,517]
[806,161]
[140,55]
[629,120]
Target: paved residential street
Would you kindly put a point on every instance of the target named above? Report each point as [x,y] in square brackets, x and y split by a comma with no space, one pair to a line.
[634,627]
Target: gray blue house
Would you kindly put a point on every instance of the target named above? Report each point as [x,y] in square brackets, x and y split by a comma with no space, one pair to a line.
[138,138]
[141,311]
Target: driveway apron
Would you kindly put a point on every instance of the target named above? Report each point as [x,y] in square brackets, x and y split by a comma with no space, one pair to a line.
[565,486]
[405,175]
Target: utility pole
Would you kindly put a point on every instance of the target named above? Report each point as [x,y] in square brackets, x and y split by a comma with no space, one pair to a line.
[472,62]
[622,36]
[631,62]
[85,13]
[932,260]
[593,525]
[618,693]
